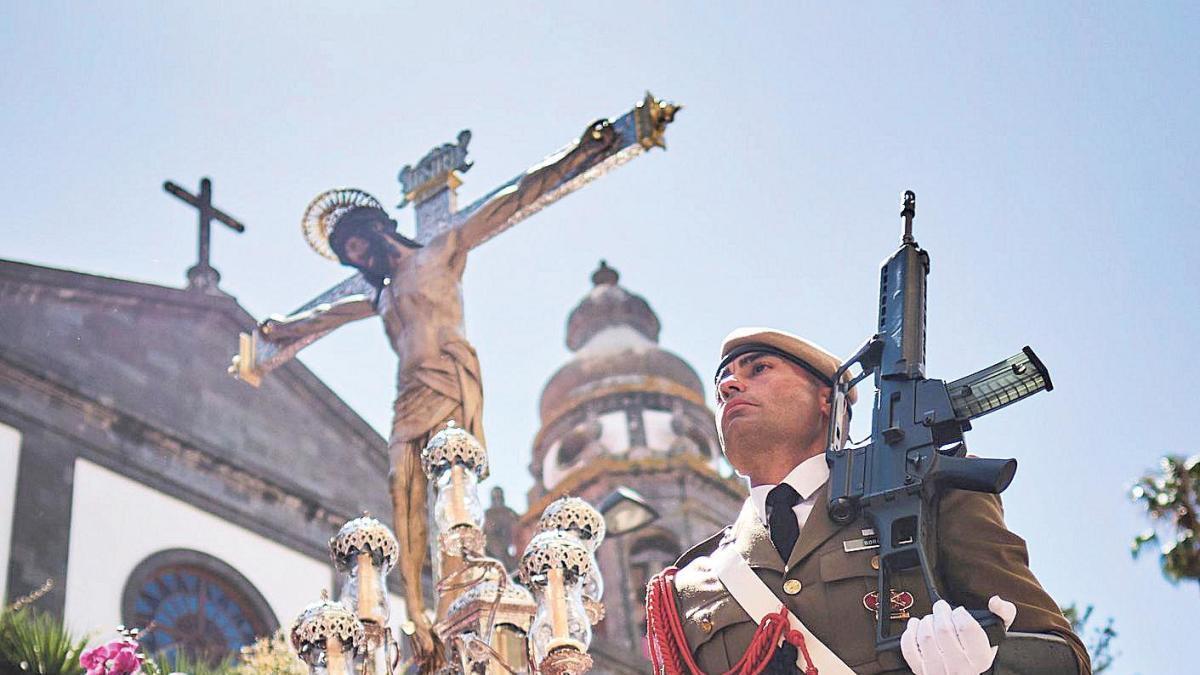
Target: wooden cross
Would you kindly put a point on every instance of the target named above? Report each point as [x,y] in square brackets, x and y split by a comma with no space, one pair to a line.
[202,276]
[430,186]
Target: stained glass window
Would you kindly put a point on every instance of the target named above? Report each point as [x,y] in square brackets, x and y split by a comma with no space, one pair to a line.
[195,603]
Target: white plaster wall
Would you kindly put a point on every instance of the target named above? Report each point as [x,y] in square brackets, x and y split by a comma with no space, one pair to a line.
[116,523]
[659,435]
[10,454]
[614,434]
[551,472]
[614,437]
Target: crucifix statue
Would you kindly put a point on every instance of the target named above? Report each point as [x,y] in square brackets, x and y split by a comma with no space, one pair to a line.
[415,286]
[202,276]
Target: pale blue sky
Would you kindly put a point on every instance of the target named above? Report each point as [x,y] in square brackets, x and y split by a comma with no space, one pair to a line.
[1053,148]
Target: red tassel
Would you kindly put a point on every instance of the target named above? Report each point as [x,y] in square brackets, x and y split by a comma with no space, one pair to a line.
[669,653]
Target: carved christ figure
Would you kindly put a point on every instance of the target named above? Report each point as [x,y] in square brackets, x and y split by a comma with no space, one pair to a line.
[416,288]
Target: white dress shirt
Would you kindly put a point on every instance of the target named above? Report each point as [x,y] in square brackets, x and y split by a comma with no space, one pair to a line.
[806,479]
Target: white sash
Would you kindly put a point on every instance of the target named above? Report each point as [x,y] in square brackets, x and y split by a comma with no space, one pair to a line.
[753,595]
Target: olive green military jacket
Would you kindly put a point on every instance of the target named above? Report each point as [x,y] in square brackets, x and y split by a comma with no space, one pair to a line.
[825,585]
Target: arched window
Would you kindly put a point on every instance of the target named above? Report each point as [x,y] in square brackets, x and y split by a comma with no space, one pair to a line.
[195,603]
[572,447]
[653,551]
[580,439]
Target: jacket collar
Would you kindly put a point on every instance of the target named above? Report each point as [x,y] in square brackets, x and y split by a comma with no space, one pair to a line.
[752,541]
[817,529]
[806,478]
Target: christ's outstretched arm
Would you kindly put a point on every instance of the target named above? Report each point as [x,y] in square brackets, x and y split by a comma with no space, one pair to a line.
[276,340]
[319,319]
[603,146]
[527,193]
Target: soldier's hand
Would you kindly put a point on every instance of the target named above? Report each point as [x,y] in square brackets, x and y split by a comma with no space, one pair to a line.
[951,642]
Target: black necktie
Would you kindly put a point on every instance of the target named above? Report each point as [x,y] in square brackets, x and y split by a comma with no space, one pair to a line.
[781,520]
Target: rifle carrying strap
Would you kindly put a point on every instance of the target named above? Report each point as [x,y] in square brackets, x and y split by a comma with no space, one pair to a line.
[758,601]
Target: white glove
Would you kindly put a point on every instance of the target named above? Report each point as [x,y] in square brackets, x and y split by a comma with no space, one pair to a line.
[952,642]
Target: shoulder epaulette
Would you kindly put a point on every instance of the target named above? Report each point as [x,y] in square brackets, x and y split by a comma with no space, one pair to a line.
[704,548]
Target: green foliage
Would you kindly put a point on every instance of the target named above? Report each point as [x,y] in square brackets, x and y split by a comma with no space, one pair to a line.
[1172,501]
[180,662]
[35,642]
[1098,639]
[270,656]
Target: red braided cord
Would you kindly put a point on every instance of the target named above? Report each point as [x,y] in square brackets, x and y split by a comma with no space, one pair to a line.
[664,630]
[669,651]
[796,638]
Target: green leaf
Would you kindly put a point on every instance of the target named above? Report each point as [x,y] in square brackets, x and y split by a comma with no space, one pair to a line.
[33,641]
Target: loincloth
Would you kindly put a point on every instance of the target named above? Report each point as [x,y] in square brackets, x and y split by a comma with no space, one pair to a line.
[436,390]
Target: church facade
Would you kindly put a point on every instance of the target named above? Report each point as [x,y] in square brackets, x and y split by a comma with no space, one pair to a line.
[145,483]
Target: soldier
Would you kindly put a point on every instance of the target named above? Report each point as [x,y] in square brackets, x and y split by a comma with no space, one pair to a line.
[784,551]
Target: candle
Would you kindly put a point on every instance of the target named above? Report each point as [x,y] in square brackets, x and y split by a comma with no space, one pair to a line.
[368,590]
[335,659]
[556,603]
[458,496]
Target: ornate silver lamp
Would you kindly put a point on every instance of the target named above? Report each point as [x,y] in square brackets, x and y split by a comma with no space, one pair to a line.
[555,566]
[363,553]
[329,638]
[577,518]
[489,625]
[455,462]
[482,618]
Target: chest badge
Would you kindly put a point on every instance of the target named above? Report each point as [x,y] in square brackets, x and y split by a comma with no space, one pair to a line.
[901,602]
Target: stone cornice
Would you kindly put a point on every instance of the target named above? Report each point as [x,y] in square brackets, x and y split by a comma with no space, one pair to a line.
[79,286]
[116,439]
[607,467]
[633,384]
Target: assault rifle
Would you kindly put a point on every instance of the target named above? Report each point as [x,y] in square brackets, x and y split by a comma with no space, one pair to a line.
[916,450]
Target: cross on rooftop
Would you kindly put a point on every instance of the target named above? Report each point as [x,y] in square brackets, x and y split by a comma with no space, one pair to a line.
[202,276]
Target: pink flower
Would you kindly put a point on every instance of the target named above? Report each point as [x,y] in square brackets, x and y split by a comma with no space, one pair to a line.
[116,646]
[118,657]
[94,658]
[126,662]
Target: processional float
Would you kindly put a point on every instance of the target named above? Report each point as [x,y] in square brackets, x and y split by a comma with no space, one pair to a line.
[485,622]
[494,625]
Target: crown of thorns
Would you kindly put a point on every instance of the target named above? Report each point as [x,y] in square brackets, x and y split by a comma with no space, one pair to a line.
[324,211]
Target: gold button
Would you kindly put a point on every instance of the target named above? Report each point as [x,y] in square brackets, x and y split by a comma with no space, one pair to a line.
[706,624]
[791,586]
[874,562]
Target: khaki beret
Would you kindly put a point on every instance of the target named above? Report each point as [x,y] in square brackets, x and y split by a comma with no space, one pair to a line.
[816,360]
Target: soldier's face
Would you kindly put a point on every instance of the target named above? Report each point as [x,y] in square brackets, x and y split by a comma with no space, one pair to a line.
[771,413]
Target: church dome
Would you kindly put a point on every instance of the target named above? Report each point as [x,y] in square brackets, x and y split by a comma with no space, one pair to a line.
[606,306]
[614,334]
[620,397]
